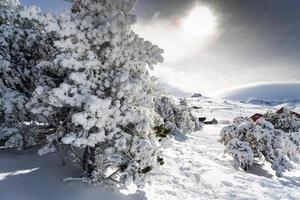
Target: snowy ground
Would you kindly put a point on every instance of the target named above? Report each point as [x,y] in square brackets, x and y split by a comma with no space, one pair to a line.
[195,168]
[198,169]
[27,176]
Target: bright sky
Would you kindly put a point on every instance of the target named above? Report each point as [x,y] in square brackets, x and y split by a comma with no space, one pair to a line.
[212,46]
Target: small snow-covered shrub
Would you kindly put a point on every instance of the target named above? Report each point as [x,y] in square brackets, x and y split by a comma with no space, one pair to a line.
[241,152]
[285,120]
[176,118]
[249,141]
[295,139]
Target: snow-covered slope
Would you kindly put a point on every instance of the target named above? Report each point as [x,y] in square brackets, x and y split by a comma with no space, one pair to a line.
[195,168]
[225,110]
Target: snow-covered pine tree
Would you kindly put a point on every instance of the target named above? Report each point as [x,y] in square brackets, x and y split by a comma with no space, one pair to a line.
[288,122]
[176,118]
[22,46]
[102,97]
[9,3]
[285,120]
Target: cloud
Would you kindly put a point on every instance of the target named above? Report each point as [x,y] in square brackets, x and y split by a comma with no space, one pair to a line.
[181,46]
[174,91]
[170,36]
[254,42]
[146,9]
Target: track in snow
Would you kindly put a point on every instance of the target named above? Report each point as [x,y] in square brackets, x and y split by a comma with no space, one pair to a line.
[197,169]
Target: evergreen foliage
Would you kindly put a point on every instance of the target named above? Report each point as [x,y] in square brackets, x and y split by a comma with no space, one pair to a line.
[81,82]
[23,44]
[248,142]
[176,118]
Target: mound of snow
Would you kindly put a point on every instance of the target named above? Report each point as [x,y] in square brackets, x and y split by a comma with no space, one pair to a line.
[272,93]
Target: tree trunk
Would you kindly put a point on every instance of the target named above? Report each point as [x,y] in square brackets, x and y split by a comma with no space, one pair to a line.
[88,161]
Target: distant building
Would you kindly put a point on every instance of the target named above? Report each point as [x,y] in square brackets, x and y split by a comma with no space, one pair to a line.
[196,107]
[256,116]
[214,121]
[195,95]
[202,119]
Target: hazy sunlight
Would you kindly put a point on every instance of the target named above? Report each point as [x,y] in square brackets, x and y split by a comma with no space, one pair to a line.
[199,22]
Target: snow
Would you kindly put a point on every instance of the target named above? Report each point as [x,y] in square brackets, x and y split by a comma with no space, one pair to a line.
[195,168]
[225,110]
[27,176]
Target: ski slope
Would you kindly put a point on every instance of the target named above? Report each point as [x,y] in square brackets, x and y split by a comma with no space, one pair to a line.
[195,168]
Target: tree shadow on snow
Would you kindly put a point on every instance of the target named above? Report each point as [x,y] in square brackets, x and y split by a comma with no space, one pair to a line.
[290,181]
[258,170]
[180,137]
[26,176]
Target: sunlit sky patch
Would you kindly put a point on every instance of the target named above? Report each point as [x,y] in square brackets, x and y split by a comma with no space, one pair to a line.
[199,22]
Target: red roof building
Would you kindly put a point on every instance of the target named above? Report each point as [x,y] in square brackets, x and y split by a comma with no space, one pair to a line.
[296,114]
[256,117]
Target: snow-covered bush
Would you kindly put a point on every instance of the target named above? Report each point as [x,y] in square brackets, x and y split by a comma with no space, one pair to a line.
[23,45]
[241,152]
[176,118]
[295,138]
[10,2]
[249,141]
[285,120]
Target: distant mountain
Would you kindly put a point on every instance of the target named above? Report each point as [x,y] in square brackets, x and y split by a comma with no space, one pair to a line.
[266,94]
[272,102]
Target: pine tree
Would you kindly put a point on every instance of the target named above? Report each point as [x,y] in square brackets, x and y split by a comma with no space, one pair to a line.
[22,46]
[9,3]
[102,96]
[82,81]
[176,118]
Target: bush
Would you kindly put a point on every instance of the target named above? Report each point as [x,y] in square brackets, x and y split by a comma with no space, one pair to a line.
[247,142]
[286,120]
[176,118]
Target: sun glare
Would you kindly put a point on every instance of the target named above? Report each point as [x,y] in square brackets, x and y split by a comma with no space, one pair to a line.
[199,22]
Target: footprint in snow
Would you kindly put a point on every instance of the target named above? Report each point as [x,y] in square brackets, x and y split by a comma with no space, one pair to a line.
[227,183]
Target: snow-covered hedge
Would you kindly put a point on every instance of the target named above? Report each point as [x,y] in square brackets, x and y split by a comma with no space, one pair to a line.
[248,141]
